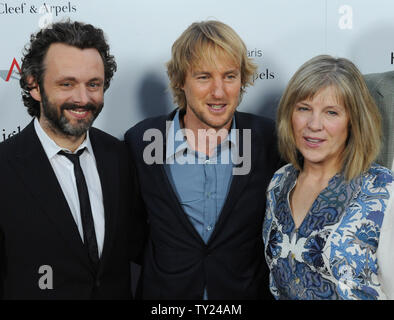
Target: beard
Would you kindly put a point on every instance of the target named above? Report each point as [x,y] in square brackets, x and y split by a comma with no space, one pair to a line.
[61,124]
[216,126]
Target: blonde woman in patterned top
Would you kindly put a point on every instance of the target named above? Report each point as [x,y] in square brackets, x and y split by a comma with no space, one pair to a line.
[328,230]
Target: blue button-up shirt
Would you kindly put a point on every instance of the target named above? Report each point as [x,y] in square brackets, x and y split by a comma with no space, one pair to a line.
[200,182]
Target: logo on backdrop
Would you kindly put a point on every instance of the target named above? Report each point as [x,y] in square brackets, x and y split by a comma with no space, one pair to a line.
[8,134]
[23,8]
[267,74]
[12,73]
[46,11]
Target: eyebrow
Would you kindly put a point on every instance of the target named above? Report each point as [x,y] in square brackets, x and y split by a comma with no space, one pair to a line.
[199,72]
[66,79]
[236,71]
[75,79]
[97,79]
[329,106]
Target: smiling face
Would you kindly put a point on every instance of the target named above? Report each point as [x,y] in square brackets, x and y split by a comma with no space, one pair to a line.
[212,93]
[320,127]
[72,91]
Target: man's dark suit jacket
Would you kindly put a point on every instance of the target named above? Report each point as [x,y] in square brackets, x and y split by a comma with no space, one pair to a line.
[381,87]
[37,227]
[177,263]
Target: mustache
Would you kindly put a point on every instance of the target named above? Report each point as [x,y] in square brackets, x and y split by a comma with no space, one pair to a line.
[86,107]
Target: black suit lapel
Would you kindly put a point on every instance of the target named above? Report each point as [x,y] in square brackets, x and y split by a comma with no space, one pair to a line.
[386,107]
[34,169]
[108,170]
[239,182]
[168,189]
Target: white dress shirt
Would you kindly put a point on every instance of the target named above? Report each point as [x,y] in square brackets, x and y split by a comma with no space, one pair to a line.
[64,170]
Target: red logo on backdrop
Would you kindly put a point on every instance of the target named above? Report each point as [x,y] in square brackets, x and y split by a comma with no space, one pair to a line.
[12,73]
[6,74]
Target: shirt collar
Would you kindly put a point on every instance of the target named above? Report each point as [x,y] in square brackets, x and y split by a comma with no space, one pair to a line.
[51,148]
[176,141]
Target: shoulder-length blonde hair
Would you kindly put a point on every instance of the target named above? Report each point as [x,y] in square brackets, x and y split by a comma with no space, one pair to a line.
[364,136]
[201,42]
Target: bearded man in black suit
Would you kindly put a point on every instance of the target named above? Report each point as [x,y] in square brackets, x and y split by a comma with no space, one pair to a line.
[68,223]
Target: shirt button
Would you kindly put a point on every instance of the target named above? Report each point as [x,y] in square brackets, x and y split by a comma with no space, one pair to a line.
[209,228]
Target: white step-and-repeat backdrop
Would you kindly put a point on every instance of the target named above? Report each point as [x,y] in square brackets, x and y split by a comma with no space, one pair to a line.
[280,36]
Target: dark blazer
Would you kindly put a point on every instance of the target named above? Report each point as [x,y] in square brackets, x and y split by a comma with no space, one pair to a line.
[381,87]
[37,227]
[177,263]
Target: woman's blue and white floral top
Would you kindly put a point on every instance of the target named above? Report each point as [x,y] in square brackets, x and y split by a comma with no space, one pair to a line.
[337,252]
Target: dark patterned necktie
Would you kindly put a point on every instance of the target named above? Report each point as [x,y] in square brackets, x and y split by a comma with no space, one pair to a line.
[89,234]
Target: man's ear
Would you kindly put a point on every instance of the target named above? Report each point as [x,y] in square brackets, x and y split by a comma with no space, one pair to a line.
[35,91]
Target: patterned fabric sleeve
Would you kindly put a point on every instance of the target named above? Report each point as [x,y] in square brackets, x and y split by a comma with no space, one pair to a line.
[275,182]
[354,244]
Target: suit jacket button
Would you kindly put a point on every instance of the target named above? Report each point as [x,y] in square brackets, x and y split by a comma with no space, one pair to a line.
[98,283]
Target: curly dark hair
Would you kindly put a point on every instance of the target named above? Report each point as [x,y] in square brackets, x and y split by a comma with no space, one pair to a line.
[76,34]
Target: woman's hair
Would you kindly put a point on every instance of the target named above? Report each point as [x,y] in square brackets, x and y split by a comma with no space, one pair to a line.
[364,136]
